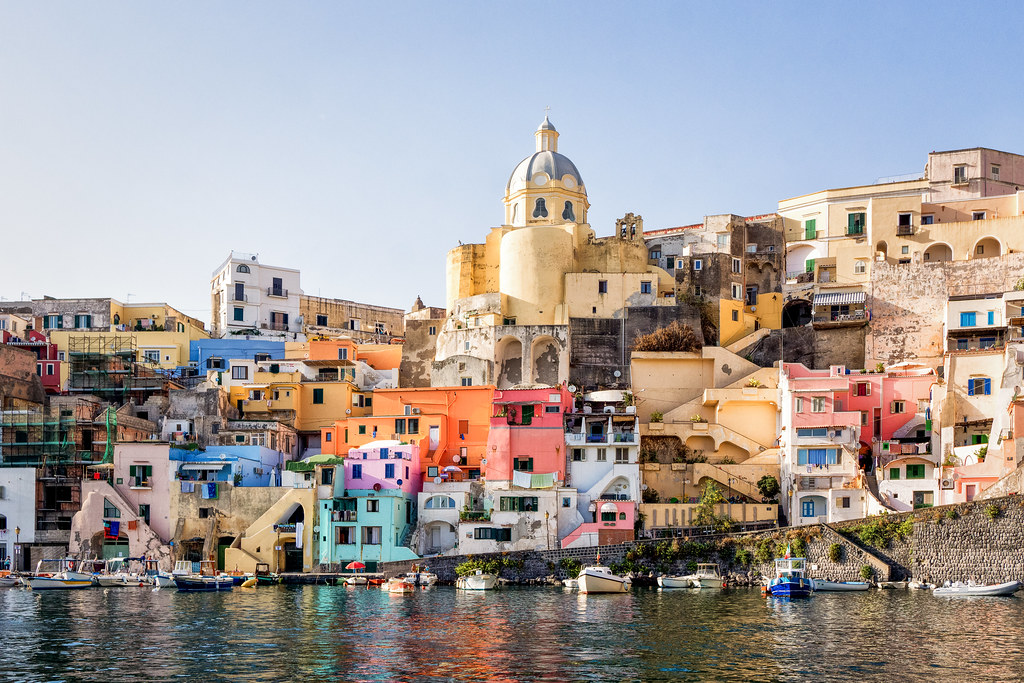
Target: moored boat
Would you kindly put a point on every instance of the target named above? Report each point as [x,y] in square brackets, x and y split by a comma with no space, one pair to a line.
[676,581]
[600,579]
[9,581]
[570,583]
[65,576]
[707,576]
[478,581]
[820,585]
[421,578]
[265,577]
[356,581]
[398,584]
[199,583]
[790,578]
[972,589]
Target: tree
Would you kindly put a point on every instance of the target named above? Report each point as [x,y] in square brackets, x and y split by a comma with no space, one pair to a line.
[711,496]
[768,487]
[674,337]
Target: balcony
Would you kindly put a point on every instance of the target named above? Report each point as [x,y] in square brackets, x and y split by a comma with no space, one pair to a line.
[855,232]
[575,438]
[904,230]
[840,319]
[799,276]
[241,299]
[280,327]
[277,291]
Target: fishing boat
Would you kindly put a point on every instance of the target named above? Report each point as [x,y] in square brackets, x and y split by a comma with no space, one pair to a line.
[676,581]
[206,580]
[421,576]
[265,577]
[820,586]
[600,579]
[160,579]
[477,581]
[790,578]
[397,584]
[707,576]
[356,581]
[974,589]
[570,584]
[66,576]
[9,581]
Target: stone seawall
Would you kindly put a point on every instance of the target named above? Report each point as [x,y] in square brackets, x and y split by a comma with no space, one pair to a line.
[982,540]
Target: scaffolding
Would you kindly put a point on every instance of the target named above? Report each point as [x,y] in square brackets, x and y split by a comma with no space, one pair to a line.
[107,367]
[32,435]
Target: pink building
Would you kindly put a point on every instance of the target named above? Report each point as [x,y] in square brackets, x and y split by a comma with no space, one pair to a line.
[527,434]
[47,358]
[384,465]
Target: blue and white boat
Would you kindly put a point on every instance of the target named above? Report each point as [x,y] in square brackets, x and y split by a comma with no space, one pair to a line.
[790,578]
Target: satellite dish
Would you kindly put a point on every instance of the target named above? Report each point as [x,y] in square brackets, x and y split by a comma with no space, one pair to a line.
[438,480]
[572,388]
[483,461]
[644,487]
[253,258]
[348,411]
[376,487]
[617,374]
[316,529]
[399,482]
[455,458]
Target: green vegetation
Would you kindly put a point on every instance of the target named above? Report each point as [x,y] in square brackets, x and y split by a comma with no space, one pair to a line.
[673,337]
[882,532]
[764,552]
[835,552]
[799,547]
[768,487]
[571,566]
[992,511]
[490,566]
[866,572]
[744,557]
[657,416]
[705,511]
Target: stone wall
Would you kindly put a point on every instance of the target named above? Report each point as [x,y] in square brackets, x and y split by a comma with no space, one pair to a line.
[839,346]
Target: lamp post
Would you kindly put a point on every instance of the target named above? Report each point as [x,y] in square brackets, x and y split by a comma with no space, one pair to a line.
[547,528]
[17,548]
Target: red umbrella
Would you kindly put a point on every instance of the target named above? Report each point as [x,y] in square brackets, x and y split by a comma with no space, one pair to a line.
[355,565]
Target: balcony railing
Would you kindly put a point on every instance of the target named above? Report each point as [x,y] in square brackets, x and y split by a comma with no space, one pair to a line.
[277,291]
[839,318]
[904,229]
[243,298]
[611,437]
[280,327]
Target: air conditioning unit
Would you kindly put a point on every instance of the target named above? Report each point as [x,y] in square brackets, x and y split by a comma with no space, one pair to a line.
[415,411]
[946,484]
[609,409]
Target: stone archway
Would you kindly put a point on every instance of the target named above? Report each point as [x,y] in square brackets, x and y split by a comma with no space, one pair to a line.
[509,359]
[797,313]
[545,360]
[938,252]
[986,247]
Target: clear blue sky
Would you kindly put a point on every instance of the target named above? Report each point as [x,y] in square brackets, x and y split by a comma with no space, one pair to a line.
[141,141]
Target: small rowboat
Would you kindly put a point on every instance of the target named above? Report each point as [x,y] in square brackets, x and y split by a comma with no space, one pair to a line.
[821,585]
[959,588]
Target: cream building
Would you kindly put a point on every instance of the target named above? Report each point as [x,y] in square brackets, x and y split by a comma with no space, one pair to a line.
[248,295]
[510,299]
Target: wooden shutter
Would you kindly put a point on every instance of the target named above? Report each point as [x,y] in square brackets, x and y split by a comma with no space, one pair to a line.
[809,265]
[988,386]
[810,229]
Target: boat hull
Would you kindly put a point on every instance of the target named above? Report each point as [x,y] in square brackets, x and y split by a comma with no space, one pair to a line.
[708,582]
[1008,588]
[203,584]
[477,582]
[8,581]
[675,582]
[163,581]
[603,583]
[45,583]
[797,588]
[839,586]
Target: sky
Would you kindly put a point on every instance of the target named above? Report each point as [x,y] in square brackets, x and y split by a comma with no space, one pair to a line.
[140,142]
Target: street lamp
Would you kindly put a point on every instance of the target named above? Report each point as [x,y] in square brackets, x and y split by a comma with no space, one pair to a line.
[547,528]
[17,548]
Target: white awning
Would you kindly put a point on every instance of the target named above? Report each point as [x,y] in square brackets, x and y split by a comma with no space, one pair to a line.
[609,507]
[204,466]
[839,298]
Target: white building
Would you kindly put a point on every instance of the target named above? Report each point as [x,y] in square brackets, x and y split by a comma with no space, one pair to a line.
[247,295]
[17,512]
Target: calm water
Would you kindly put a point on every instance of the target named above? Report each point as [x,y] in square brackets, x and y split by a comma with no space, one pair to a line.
[321,633]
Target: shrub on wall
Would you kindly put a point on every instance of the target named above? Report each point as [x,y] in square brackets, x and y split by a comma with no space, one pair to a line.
[835,552]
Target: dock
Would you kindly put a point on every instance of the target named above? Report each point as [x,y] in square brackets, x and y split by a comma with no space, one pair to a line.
[325,578]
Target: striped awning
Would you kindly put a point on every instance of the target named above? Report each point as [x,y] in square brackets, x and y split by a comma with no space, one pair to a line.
[839,298]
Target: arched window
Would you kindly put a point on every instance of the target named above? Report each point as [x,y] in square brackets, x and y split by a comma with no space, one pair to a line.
[440,503]
[568,214]
[243,268]
[117,319]
[3,523]
[622,516]
[540,209]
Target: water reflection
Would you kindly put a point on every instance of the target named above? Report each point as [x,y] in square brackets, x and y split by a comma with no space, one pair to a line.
[320,633]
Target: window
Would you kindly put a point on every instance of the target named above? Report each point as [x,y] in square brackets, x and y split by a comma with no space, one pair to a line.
[809,265]
[968,319]
[151,355]
[540,209]
[432,330]
[959,174]
[465,346]
[567,212]
[995,171]
[552,409]
[814,432]
[566,502]
[602,286]
[897,407]
[214,363]
[654,253]
[843,501]
[608,516]
[923,499]
[799,405]
[645,287]
[818,404]
[735,315]
[697,264]
[894,473]
[522,464]
[990,317]
[905,249]
[440,503]
[242,268]
[361,429]
[817,456]
[928,219]
[905,221]
[327,475]
[987,343]
[862,389]
[855,223]
[810,229]
[751,299]
[723,242]
[467,381]
[737,291]
[318,396]
[321,320]
[357,471]
[979,386]
[239,372]
[83,321]
[371,535]
[344,535]
[328,436]
[140,474]
[400,426]
[621,455]
[860,267]
[110,510]
[414,425]
[53,322]
[737,266]
[49,368]
[978,216]
[696,290]
[518,504]
[915,471]
[679,264]
[492,534]
[602,454]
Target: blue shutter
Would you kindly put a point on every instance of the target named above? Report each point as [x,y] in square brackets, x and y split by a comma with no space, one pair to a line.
[970,387]
[991,317]
[988,386]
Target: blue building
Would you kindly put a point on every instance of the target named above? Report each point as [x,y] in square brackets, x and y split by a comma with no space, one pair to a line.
[214,354]
[241,465]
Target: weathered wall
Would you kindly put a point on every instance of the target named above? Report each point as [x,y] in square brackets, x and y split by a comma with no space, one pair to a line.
[418,352]
[907,302]
[18,378]
[840,346]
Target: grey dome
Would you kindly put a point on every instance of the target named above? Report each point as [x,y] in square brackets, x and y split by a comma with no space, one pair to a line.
[554,164]
[546,124]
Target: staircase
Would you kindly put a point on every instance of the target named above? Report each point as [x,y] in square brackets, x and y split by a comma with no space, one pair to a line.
[210,539]
[872,484]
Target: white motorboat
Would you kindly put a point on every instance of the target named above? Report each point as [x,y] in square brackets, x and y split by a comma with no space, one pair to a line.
[599,579]
[397,584]
[820,585]
[356,581]
[920,585]
[423,578]
[479,581]
[676,581]
[66,575]
[163,580]
[110,580]
[570,583]
[707,576]
[970,588]
[9,581]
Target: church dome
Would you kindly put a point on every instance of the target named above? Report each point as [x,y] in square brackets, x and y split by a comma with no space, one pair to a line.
[546,160]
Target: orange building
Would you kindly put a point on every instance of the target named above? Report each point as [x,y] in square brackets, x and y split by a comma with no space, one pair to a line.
[449,424]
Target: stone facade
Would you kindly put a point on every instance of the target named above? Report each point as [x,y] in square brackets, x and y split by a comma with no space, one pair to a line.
[365,323]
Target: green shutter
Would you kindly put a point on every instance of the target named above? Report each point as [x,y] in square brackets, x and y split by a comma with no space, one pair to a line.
[810,229]
[131,470]
[809,265]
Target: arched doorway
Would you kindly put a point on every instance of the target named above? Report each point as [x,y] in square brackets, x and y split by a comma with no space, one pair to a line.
[881,251]
[986,247]
[797,313]
[938,253]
